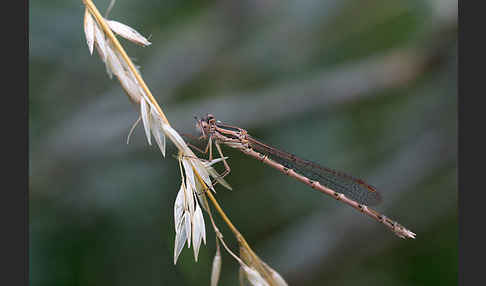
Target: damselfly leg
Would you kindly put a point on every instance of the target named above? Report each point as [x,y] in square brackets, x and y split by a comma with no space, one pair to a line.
[209,148]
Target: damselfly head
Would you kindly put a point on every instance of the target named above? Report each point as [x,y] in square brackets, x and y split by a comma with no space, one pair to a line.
[204,124]
[208,118]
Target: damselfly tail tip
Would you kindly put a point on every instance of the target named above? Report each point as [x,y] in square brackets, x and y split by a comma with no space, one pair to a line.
[404,233]
[410,234]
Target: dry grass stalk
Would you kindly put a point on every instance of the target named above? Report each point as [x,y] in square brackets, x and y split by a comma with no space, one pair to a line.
[196,174]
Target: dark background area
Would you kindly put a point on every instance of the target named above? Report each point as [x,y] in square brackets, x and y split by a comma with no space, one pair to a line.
[366,87]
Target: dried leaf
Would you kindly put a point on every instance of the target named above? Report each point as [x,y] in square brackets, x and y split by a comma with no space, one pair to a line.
[113,63]
[179,207]
[131,76]
[128,33]
[201,197]
[176,139]
[198,230]
[145,119]
[201,222]
[189,198]
[100,42]
[160,139]
[180,239]
[253,276]
[89,30]
[216,270]
[202,170]
[129,84]
[246,256]
[157,131]
[189,173]
[187,223]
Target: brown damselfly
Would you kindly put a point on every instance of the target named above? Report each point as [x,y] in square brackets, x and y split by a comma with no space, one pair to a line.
[342,187]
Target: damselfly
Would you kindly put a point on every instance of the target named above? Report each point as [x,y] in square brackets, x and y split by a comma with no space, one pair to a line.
[345,188]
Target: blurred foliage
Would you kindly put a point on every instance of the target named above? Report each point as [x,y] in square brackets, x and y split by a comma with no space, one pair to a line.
[367,87]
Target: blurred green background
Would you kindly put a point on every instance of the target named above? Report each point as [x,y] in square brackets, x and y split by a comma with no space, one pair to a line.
[366,87]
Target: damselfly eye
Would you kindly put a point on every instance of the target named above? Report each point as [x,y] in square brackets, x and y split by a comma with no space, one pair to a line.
[209,117]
